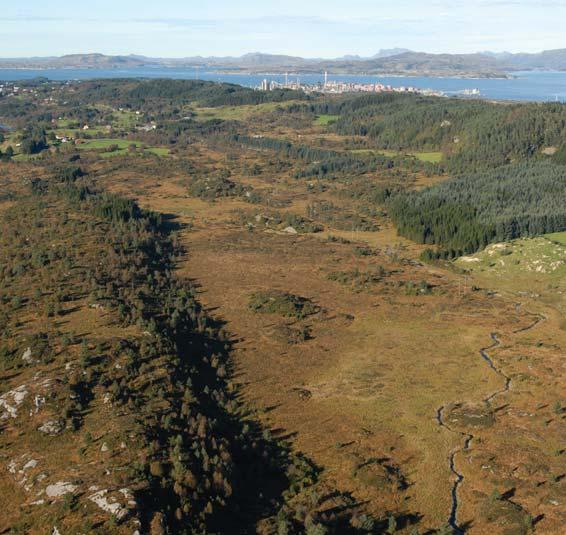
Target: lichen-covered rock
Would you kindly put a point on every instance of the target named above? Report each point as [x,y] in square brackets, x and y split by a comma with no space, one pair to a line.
[52,427]
[27,356]
[32,463]
[56,490]
[113,503]
[10,401]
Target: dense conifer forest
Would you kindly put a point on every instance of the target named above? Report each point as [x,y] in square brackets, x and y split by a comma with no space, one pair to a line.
[177,93]
[465,214]
[474,134]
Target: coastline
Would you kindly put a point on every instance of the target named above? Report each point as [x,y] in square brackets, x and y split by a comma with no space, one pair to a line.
[517,86]
[248,72]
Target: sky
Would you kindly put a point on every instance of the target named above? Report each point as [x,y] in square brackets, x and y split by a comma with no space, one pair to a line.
[308,28]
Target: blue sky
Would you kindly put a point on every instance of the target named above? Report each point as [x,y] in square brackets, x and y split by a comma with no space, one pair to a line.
[313,28]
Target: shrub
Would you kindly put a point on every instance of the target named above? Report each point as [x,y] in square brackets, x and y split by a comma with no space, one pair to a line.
[285,304]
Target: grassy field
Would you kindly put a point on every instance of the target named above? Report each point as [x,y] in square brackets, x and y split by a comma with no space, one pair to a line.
[559,237]
[431,157]
[236,113]
[104,143]
[534,267]
[158,151]
[18,157]
[122,147]
[72,132]
[385,152]
[537,256]
[325,120]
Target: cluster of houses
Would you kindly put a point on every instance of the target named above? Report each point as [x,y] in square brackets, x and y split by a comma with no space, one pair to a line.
[9,89]
[69,139]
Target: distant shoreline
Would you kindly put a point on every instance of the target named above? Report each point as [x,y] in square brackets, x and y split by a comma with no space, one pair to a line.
[395,74]
[231,72]
[518,85]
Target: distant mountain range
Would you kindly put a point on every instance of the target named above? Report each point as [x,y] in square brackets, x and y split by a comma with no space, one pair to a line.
[393,61]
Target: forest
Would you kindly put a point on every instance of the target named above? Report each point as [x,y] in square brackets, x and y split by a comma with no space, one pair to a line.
[325,163]
[473,134]
[464,214]
[176,93]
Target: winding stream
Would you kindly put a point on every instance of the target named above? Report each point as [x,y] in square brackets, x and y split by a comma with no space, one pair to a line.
[453,518]
[468,437]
